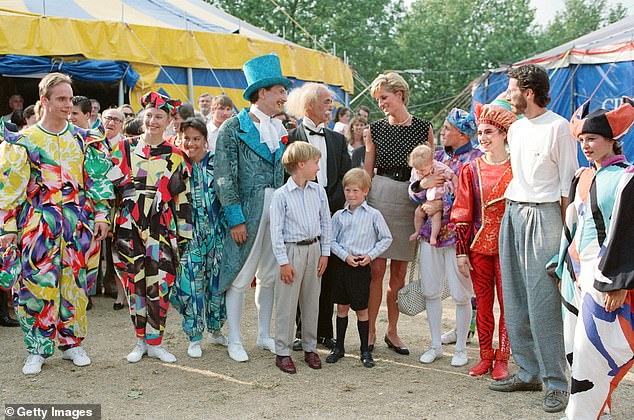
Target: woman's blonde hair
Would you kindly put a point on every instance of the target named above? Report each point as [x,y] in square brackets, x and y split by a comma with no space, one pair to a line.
[299,151]
[392,82]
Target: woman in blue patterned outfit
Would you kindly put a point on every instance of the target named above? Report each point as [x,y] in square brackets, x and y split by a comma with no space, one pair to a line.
[195,294]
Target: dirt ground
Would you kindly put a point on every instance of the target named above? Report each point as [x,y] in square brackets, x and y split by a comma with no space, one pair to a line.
[216,387]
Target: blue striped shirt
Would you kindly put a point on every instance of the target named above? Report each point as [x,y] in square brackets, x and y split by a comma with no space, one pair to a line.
[299,214]
[362,231]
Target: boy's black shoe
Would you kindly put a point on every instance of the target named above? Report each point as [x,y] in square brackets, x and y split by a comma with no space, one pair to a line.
[335,355]
[329,343]
[367,360]
[297,344]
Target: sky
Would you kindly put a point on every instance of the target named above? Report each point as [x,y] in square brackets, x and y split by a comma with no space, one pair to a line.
[546,9]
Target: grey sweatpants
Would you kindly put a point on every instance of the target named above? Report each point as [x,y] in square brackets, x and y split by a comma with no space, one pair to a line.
[529,238]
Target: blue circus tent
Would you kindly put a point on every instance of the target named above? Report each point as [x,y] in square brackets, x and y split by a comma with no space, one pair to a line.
[598,67]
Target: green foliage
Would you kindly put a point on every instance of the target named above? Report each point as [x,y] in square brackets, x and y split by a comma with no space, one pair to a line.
[454,42]
[446,43]
[578,18]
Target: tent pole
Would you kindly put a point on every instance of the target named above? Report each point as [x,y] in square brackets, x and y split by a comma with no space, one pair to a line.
[121,93]
[572,93]
[190,84]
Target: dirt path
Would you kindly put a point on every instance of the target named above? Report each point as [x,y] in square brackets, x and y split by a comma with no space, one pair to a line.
[216,387]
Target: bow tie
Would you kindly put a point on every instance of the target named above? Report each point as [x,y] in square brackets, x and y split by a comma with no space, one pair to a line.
[315,133]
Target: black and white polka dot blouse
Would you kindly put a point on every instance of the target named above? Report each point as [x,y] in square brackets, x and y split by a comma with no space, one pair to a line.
[394,143]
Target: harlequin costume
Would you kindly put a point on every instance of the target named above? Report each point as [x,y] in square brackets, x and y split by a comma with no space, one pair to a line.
[595,258]
[196,293]
[152,223]
[477,212]
[53,193]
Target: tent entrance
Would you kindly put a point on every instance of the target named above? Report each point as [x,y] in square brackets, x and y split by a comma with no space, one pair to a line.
[107,93]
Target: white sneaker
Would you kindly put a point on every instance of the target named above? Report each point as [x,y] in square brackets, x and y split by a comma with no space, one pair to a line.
[216,337]
[78,355]
[140,348]
[33,364]
[159,352]
[460,358]
[430,355]
[237,353]
[266,343]
[195,350]
[449,337]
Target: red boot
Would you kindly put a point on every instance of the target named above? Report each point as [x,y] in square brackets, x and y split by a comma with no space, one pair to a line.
[485,364]
[501,368]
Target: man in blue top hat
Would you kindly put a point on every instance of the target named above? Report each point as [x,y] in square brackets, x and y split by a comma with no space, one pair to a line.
[248,164]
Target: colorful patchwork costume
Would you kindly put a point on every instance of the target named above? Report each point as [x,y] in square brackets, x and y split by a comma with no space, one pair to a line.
[53,191]
[196,293]
[595,258]
[153,224]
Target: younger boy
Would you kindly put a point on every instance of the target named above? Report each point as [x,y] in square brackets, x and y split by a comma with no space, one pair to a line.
[300,234]
[360,234]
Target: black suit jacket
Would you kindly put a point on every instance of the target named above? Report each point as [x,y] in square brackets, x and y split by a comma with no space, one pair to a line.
[338,162]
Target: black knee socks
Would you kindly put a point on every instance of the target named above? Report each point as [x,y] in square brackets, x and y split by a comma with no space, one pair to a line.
[364,332]
[342,325]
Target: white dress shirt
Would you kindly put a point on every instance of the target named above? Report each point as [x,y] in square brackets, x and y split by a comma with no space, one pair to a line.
[212,136]
[543,159]
[299,214]
[320,143]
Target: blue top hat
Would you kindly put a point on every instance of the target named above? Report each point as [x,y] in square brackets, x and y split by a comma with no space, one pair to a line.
[262,72]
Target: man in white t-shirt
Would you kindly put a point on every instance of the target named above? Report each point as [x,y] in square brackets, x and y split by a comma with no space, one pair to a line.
[221,111]
[544,161]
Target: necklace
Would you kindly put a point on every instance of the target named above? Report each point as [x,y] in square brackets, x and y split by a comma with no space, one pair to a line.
[404,122]
[501,162]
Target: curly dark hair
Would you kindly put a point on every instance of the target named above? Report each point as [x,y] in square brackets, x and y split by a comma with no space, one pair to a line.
[531,76]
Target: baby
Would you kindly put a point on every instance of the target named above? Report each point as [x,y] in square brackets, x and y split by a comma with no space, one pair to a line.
[422,162]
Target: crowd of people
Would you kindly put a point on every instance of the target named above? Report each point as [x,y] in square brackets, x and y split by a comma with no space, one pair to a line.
[194,207]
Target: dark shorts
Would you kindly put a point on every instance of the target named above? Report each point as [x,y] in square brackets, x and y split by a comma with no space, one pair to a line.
[350,285]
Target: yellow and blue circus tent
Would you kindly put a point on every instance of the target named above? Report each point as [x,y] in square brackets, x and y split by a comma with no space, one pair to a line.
[185,47]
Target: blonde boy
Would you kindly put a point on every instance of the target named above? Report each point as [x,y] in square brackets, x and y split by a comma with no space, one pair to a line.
[300,234]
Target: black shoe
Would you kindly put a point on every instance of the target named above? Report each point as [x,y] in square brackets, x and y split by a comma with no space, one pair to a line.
[90,304]
[117,306]
[367,360]
[329,343]
[7,321]
[297,344]
[400,350]
[335,355]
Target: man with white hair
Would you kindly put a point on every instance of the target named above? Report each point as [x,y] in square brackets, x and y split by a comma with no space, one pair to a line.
[314,103]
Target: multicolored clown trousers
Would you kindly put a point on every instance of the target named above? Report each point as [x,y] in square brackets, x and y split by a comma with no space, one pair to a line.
[153,221]
[54,192]
[599,344]
[196,294]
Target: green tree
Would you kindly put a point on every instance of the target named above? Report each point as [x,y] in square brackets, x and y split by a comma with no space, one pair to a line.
[451,43]
[579,17]
[364,29]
